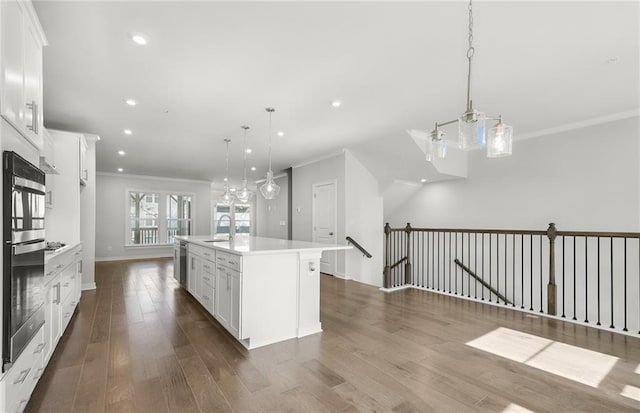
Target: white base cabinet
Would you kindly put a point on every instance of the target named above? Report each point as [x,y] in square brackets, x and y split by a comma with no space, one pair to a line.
[62,289]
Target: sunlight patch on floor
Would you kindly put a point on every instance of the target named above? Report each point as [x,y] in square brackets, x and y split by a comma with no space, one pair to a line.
[571,362]
[631,392]
[638,369]
[516,408]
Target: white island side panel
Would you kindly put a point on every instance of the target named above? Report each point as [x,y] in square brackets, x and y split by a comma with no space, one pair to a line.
[269,298]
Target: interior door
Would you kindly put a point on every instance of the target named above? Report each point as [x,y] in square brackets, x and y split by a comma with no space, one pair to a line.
[324,223]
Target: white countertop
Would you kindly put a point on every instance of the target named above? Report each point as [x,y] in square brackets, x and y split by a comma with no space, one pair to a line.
[48,255]
[247,245]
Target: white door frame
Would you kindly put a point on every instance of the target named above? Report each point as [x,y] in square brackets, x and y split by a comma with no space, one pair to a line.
[335,215]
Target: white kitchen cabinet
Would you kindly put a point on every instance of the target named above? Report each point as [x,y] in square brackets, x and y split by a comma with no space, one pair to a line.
[21,69]
[193,274]
[227,298]
[51,326]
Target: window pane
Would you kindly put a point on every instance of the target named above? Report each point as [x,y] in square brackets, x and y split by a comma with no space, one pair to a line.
[143,218]
[243,219]
[177,227]
[178,216]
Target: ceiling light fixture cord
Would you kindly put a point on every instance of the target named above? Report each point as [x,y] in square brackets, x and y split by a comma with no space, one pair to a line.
[270,110]
[470,52]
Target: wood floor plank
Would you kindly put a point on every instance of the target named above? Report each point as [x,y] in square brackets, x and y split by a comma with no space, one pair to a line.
[140,343]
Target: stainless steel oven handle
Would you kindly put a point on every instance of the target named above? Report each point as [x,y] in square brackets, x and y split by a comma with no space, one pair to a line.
[27,183]
[27,248]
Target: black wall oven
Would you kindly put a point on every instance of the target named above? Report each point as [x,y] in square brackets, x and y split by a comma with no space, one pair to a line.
[23,255]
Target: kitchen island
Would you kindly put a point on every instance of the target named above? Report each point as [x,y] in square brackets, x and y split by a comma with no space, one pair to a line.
[262,290]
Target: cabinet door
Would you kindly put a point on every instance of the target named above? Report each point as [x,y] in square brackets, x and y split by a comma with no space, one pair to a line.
[12,89]
[234,303]
[191,273]
[52,319]
[176,262]
[222,296]
[32,87]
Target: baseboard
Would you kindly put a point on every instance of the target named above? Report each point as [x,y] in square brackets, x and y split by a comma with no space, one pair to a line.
[133,257]
[88,286]
[392,289]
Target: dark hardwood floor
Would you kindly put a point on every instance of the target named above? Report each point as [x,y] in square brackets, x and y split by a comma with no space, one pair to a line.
[139,343]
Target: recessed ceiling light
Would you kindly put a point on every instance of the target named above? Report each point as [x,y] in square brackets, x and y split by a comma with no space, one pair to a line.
[139,38]
[281,133]
[253,168]
[336,103]
[131,102]
[248,150]
[226,179]
[122,153]
[423,180]
[232,189]
[128,132]
[120,169]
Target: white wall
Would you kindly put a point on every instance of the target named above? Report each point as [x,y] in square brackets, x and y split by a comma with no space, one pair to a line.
[364,223]
[88,216]
[111,213]
[271,213]
[303,179]
[585,179]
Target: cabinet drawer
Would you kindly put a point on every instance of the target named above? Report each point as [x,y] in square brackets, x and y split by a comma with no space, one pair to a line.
[20,381]
[67,283]
[66,312]
[208,267]
[207,278]
[229,260]
[206,253]
[207,301]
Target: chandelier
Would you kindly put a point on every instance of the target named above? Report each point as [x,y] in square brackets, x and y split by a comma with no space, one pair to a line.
[270,189]
[244,194]
[471,124]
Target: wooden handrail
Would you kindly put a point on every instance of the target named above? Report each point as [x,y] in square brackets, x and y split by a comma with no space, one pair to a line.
[358,246]
[398,263]
[481,281]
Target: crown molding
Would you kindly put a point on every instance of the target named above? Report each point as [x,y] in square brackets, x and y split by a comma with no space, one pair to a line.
[579,125]
[319,158]
[153,178]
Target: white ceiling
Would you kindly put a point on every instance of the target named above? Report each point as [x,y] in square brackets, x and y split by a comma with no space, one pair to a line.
[215,66]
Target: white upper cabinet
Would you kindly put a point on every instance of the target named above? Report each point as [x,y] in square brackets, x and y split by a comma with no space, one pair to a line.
[21,69]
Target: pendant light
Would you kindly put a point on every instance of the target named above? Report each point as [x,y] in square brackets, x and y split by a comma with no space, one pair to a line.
[227,196]
[270,189]
[244,194]
[472,133]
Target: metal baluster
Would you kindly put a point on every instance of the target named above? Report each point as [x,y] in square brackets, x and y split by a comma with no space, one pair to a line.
[422,255]
[469,265]
[490,274]
[586,279]
[438,283]
[598,286]
[625,285]
[522,271]
[475,265]
[611,276]
[450,262]
[574,278]
[455,289]
[462,259]
[540,253]
[563,285]
[433,261]
[497,268]
[482,273]
[531,273]
[513,272]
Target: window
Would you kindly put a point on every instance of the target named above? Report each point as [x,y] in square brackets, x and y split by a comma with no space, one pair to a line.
[241,218]
[178,216]
[155,218]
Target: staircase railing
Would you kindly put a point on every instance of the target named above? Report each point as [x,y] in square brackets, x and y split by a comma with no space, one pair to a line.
[590,277]
[359,247]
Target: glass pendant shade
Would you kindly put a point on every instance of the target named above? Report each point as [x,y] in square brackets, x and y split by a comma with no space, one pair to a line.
[227,196]
[244,194]
[499,140]
[471,132]
[270,189]
[436,148]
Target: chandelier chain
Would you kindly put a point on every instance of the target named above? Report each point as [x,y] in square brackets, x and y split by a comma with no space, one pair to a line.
[470,50]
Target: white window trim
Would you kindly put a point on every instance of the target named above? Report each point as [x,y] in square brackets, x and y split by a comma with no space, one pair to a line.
[162,215]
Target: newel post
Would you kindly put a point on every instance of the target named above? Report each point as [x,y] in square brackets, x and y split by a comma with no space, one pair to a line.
[387,258]
[407,265]
[551,287]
